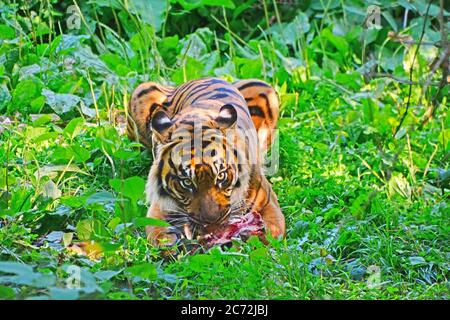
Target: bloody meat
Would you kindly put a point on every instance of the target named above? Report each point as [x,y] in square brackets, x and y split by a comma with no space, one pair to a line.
[240,228]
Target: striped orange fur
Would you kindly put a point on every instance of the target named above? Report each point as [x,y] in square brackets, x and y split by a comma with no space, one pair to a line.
[207,137]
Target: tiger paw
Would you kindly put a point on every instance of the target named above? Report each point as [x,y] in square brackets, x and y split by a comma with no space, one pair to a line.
[162,237]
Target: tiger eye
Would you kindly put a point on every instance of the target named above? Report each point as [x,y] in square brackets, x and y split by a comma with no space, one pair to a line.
[221,176]
[186,183]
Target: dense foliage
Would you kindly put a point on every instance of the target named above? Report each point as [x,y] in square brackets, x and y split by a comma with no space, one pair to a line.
[365,192]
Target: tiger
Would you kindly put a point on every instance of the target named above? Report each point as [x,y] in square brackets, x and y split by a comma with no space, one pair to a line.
[207,138]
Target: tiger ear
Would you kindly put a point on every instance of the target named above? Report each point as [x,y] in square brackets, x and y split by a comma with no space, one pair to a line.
[160,123]
[227,116]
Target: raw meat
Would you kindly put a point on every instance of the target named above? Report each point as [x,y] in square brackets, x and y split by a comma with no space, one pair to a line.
[241,228]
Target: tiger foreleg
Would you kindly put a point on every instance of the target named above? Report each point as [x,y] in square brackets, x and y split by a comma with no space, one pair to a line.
[159,236]
[273,217]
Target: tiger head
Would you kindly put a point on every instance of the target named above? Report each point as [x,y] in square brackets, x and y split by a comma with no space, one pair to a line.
[200,173]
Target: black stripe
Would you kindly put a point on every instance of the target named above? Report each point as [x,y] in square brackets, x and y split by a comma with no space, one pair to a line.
[152,108]
[196,90]
[239,106]
[183,92]
[171,164]
[216,80]
[254,83]
[177,186]
[190,85]
[218,96]
[256,111]
[204,85]
[161,190]
[179,92]
[269,110]
[229,90]
[147,90]
[205,143]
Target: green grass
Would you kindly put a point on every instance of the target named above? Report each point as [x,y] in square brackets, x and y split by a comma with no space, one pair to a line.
[367,213]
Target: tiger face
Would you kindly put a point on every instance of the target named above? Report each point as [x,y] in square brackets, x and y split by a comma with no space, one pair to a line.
[200,166]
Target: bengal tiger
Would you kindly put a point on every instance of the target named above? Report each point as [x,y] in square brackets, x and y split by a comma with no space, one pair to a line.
[207,137]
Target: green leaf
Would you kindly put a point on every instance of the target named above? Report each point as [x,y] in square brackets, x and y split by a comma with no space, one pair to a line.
[291,32]
[201,262]
[193,4]
[64,294]
[108,139]
[193,69]
[116,4]
[116,63]
[25,92]
[106,274]
[398,184]
[101,197]
[37,104]
[60,102]
[390,19]
[132,187]
[33,133]
[6,293]
[5,97]
[325,5]
[7,32]
[42,120]
[20,202]
[259,253]
[68,42]
[145,271]
[88,60]
[145,221]
[23,275]
[89,229]
[415,261]
[15,267]
[249,68]
[46,136]
[151,11]
[81,154]
[126,154]
[197,44]
[339,42]
[74,127]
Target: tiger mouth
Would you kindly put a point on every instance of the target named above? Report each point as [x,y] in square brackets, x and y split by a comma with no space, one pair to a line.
[193,228]
[187,226]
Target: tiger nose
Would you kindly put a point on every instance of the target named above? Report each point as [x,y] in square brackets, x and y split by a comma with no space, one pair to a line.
[210,213]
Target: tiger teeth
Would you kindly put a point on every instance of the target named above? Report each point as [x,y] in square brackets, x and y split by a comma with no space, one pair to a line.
[187,232]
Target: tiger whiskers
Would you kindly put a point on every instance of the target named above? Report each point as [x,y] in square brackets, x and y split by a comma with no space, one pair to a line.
[240,207]
[184,222]
[192,226]
[177,218]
